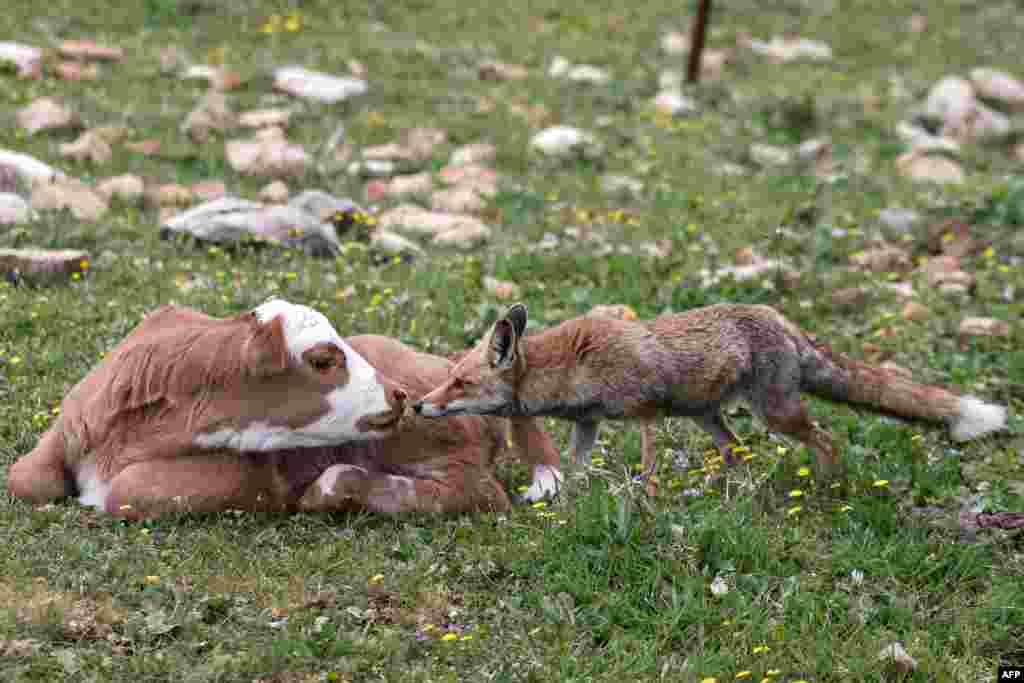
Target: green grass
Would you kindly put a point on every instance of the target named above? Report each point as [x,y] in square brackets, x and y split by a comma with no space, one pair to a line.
[601,584]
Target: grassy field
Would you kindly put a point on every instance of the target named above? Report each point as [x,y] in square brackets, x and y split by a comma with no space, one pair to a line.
[601,584]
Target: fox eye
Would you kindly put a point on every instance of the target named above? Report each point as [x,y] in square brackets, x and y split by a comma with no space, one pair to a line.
[321,363]
[457,383]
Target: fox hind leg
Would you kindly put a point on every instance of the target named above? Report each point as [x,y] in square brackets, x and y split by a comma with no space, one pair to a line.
[725,441]
[784,412]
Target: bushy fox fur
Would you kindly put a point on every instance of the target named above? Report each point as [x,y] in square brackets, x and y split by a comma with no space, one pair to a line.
[686,364]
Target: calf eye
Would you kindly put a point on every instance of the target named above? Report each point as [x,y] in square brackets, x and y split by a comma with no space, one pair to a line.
[322,363]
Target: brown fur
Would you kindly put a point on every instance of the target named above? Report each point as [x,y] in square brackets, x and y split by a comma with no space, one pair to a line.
[427,466]
[688,364]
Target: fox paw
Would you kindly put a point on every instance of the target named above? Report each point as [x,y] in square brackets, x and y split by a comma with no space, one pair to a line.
[547,481]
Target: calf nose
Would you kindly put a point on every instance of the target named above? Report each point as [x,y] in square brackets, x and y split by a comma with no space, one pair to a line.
[417,407]
[397,399]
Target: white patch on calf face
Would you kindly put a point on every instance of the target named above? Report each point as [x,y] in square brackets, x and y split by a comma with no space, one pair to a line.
[362,396]
[93,490]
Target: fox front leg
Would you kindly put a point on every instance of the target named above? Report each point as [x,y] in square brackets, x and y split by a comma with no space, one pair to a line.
[581,441]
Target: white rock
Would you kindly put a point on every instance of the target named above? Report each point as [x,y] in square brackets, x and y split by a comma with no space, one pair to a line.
[780,49]
[465,236]
[565,141]
[372,168]
[674,103]
[559,67]
[28,59]
[85,204]
[988,125]
[898,219]
[670,79]
[998,86]
[457,199]
[29,169]
[477,153]
[919,139]
[929,168]
[316,85]
[393,243]
[125,187]
[589,74]
[14,209]
[770,155]
[621,185]
[419,221]
[950,101]
[46,113]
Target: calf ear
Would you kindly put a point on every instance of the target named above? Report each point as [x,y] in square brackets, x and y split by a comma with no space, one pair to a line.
[266,351]
[502,346]
[516,314]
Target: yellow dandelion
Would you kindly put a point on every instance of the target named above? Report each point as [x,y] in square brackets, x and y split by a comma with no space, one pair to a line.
[773,672]
[709,680]
[76,276]
[55,410]
[376,578]
[449,637]
[881,483]
[727,622]
[796,493]
[803,472]
[293,23]
[272,24]
[523,489]
[153,579]
[83,264]
[794,510]
[846,508]
[539,505]
[597,461]
[835,485]
[427,628]
[761,648]
[468,636]
[916,437]
[375,119]
[989,252]
[15,360]
[781,450]
[534,631]
[744,674]
[290,275]
[1003,268]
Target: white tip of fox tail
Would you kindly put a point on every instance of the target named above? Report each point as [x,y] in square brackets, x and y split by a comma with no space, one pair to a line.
[547,481]
[976,418]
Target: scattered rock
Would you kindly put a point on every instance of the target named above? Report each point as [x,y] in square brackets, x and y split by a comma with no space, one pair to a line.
[127,188]
[501,289]
[211,114]
[984,327]
[89,147]
[86,49]
[301,82]
[458,199]
[27,59]
[422,141]
[953,238]
[76,71]
[390,152]
[621,186]
[372,168]
[267,154]
[476,153]
[559,67]
[565,142]
[19,648]
[897,658]
[168,195]
[770,155]
[916,312]
[588,74]
[296,224]
[84,203]
[929,168]
[899,220]
[46,113]
[918,24]
[42,262]
[940,264]
[418,183]
[274,193]
[499,71]
[675,43]
[465,236]
[483,179]
[264,118]
[674,103]
[392,243]
[28,169]
[850,298]
[951,282]
[172,59]
[148,147]
[897,369]
[985,125]
[950,102]
[998,86]
[881,259]
[14,209]
[920,140]
[218,77]
[782,49]
[208,190]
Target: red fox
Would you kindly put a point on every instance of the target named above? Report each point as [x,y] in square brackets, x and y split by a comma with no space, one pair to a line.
[685,364]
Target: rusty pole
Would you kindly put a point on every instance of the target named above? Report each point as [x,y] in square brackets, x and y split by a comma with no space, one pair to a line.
[697,30]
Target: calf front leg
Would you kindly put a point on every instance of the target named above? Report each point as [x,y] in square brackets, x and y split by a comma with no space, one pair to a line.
[350,488]
[536,448]
[581,442]
[42,475]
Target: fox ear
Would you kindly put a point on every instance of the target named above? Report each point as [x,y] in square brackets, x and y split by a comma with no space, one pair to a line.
[501,348]
[516,314]
[266,351]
